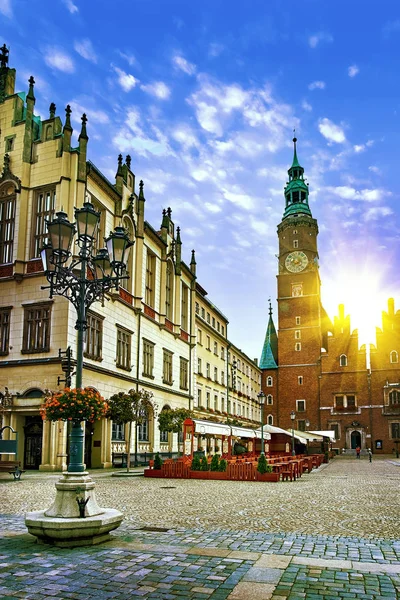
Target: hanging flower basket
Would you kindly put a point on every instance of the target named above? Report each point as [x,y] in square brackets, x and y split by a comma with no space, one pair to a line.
[74,405]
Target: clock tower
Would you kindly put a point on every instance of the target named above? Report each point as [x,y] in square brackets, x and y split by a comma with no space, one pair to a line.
[300,313]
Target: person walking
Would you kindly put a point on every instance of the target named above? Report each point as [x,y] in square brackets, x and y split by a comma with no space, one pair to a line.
[358,450]
[370,454]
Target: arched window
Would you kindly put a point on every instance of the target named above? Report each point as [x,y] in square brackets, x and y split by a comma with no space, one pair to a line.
[169,291]
[49,132]
[394,357]
[7,222]
[270,420]
[270,399]
[269,381]
[343,360]
[394,397]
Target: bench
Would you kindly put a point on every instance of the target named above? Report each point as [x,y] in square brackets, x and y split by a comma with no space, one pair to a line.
[12,467]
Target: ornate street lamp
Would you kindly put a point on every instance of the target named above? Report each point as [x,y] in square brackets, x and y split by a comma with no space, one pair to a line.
[82,279]
[293,416]
[261,399]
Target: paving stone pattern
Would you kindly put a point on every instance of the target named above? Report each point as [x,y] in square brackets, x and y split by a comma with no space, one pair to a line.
[230,557]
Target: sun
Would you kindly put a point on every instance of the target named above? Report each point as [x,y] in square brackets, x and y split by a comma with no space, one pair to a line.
[364,298]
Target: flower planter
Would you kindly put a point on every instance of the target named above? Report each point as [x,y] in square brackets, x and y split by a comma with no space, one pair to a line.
[210,475]
[267,476]
[153,473]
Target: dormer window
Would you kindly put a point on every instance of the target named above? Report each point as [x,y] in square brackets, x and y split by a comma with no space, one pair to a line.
[394,357]
[343,360]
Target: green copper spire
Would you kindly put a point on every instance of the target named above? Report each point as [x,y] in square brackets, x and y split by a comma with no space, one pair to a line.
[296,190]
[269,354]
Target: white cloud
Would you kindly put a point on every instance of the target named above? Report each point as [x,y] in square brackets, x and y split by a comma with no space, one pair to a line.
[236,196]
[212,208]
[185,136]
[375,169]
[181,63]
[5,8]
[366,195]
[132,137]
[331,132]
[306,106]
[85,49]
[353,70]
[158,89]
[93,115]
[372,214]
[58,59]
[131,60]
[71,6]
[317,38]
[317,85]
[126,80]
[207,118]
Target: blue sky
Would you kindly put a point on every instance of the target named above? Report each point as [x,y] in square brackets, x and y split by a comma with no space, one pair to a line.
[204,96]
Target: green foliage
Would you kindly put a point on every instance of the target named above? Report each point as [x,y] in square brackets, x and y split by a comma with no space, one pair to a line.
[133,406]
[171,419]
[214,463]
[157,461]
[262,464]
[239,449]
[222,465]
[204,464]
[196,465]
[74,405]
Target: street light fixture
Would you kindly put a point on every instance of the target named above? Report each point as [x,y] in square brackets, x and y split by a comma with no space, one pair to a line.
[293,416]
[307,427]
[261,399]
[82,279]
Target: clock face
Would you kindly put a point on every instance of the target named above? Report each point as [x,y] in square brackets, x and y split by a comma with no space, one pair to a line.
[296,261]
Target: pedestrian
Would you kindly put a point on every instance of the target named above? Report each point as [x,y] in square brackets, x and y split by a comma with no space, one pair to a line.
[370,454]
[358,450]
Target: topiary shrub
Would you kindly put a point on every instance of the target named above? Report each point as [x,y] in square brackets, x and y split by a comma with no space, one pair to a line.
[262,464]
[157,461]
[196,465]
[214,462]
[222,465]
[204,464]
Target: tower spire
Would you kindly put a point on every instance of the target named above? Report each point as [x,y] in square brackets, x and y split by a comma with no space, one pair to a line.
[269,354]
[296,190]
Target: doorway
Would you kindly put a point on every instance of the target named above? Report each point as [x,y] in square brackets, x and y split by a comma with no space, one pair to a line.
[33,442]
[355,439]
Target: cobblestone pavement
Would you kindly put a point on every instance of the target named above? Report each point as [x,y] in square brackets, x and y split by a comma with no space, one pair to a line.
[330,535]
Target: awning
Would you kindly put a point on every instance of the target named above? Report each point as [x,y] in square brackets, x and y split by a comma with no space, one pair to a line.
[326,433]
[203,427]
[310,436]
[249,433]
[273,429]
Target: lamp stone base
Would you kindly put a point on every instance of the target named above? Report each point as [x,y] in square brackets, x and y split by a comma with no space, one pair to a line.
[62,525]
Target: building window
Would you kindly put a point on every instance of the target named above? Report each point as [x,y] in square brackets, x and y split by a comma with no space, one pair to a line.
[118,432]
[183,380]
[270,420]
[222,378]
[335,427]
[197,308]
[185,307]
[9,143]
[36,336]
[199,397]
[7,221]
[167,367]
[222,353]
[215,348]
[295,243]
[208,371]
[208,343]
[164,437]
[297,334]
[208,317]
[98,242]
[94,337]
[301,425]
[300,406]
[5,316]
[203,312]
[394,358]
[216,374]
[169,291]
[345,401]
[269,381]
[143,431]
[150,278]
[297,347]
[300,379]
[395,431]
[124,339]
[199,370]
[270,399]
[200,337]
[394,397]
[298,320]
[148,359]
[218,326]
[343,360]
[223,330]
[208,400]
[213,322]
[44,211]
[297,289]
[222,404]
[215,402]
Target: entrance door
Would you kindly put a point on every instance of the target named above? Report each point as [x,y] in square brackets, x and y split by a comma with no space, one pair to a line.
[355,439]
[33,443]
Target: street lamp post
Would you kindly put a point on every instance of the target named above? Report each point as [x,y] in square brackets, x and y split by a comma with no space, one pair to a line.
[307,427]
[261,399]
[82,279]
[293,416]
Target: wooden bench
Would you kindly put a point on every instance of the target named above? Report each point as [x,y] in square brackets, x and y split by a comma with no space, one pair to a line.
[12,467]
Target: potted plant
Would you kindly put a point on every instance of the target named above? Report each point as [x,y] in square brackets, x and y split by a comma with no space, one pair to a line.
[264,470]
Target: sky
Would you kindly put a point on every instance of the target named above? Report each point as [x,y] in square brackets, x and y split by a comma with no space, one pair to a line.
[204,95]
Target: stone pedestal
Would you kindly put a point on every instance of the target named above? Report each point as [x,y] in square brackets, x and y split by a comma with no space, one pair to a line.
[62,525]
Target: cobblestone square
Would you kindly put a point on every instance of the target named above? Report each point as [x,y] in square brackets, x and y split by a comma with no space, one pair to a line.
[331,534]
